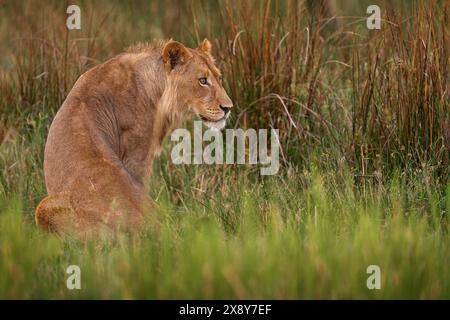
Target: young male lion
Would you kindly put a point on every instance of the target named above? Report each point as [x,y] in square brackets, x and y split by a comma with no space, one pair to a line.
[103,139]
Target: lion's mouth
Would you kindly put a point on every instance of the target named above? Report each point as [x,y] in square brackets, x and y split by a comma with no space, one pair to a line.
[214,124]
[210,120]
[225,117]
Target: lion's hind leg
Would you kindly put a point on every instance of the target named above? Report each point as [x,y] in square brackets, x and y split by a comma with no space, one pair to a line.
[85,218]
[56,214]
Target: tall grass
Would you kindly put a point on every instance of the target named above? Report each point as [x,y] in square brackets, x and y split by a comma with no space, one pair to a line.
[401,106]
[364,119]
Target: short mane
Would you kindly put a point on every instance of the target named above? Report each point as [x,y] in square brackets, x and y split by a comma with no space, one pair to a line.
[139,47]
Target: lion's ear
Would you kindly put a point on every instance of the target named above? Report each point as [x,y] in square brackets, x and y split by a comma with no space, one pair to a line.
[205,46]
[175,53]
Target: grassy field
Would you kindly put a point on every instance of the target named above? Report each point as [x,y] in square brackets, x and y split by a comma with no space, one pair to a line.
[364,119]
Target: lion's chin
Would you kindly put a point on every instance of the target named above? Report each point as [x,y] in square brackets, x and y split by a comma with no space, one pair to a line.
[215,125]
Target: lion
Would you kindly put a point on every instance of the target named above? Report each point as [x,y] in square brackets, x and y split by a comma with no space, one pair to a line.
[105,136]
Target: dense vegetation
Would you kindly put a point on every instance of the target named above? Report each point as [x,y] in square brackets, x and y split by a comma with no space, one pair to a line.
[364,119]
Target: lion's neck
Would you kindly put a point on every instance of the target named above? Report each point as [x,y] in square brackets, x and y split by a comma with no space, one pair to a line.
[161,97]
[168,114]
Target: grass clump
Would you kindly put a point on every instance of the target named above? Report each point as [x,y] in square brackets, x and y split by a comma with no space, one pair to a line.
[364,122]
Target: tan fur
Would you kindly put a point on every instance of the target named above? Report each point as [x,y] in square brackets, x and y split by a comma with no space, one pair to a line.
[104,138]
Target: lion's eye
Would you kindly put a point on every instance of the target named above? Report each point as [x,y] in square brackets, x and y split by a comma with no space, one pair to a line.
[203,81]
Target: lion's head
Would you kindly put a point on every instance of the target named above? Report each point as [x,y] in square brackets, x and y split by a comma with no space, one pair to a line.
[198,82]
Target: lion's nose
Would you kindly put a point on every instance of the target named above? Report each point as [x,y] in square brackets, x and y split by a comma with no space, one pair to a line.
[225,109]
